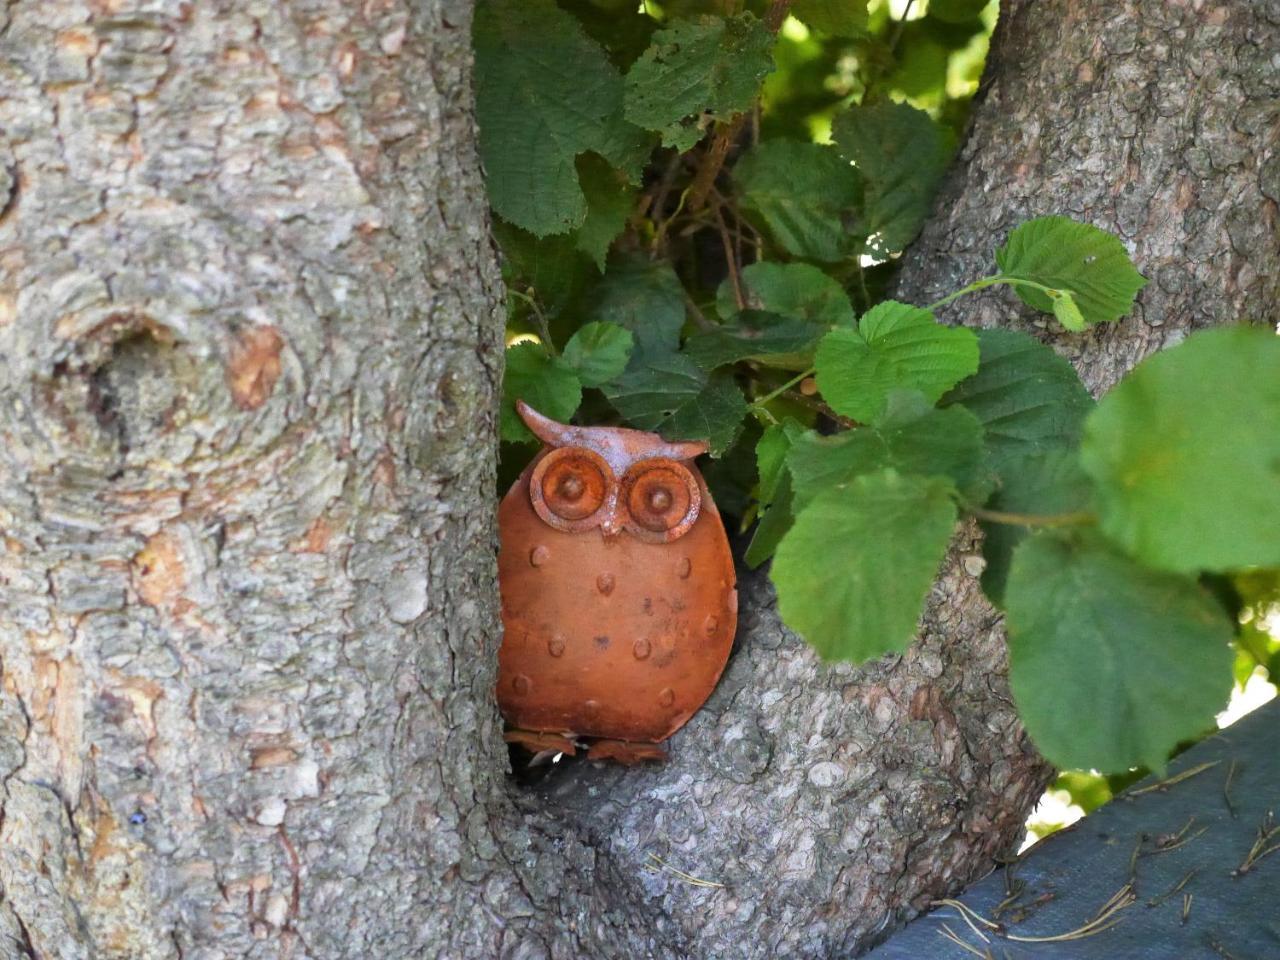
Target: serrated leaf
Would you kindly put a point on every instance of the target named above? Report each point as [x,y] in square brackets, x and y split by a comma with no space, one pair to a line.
[673,396]
[609,202]
[901,154]
[853,571]
[1185,452]
[544,382]
[645,297]
[598,352]
[838,18]
[552,270]
[647,394]
[1027,397]
[775,521]
[545,93]
[896,346]
[1042,482]
[912,439]
[771,457]
[715,415]
[755,335]
[1090,264]
[804,194]
[797,290]
[710,66]
[1111,664]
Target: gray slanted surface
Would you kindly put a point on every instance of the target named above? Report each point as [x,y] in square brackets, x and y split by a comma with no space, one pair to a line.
[1192,900]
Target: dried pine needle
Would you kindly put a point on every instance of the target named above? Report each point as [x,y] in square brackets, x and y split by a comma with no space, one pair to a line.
[681,875]
[1176,778]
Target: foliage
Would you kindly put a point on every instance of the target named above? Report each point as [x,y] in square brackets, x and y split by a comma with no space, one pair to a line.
[700,215]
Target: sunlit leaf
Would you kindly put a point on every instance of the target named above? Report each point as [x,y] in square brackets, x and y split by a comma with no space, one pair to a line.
[853,571]
[1185,452]
[1090,264]
[896,346]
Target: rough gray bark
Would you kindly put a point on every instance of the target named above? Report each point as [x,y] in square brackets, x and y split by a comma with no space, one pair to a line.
[250,349]
[1158,121]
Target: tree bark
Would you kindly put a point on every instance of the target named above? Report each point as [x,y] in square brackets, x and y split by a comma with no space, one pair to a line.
[248,315]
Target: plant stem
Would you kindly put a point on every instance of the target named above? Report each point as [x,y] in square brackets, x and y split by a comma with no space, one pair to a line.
[985,282]
[543,329]
[1077,519]
[760,402]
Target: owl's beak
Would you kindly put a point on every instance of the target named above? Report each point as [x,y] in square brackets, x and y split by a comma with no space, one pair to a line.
[611,525]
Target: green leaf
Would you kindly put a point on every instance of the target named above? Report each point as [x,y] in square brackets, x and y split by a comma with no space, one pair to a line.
[837,18]
[715,415]
[1090,264]
[645,297]
[550,269]
[609,202]
[913,438]
[797,290]
[649,393]
[804,193]
[902,155]
[896,346]
[853,571]
[598,352]
[1067,313]
[672,395]
[1186,454]
[775,521]
[545,93]
[1027,397]
[711,66]
[755,335]
[956,11]
[1111,664]
[1043,482]
[771,457]
[545,383]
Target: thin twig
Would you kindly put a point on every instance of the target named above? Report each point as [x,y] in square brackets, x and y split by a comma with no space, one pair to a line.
[731,261]
[727,133]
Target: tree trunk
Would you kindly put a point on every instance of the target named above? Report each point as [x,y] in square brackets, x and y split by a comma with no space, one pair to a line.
[251,349]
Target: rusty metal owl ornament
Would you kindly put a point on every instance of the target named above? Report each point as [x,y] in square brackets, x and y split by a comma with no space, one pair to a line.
[618,597]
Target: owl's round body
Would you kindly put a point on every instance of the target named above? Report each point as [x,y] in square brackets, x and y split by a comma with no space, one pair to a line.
[619,626]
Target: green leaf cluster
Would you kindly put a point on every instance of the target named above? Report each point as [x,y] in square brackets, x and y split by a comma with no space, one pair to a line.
[700,219]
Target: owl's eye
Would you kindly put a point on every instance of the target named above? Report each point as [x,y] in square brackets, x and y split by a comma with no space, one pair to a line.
[570,484]
[662,499]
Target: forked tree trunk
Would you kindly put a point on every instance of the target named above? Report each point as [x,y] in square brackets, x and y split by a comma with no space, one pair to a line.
[251,351]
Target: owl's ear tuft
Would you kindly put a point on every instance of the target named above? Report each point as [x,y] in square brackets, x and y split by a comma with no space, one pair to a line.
[550,432]
[682,449]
